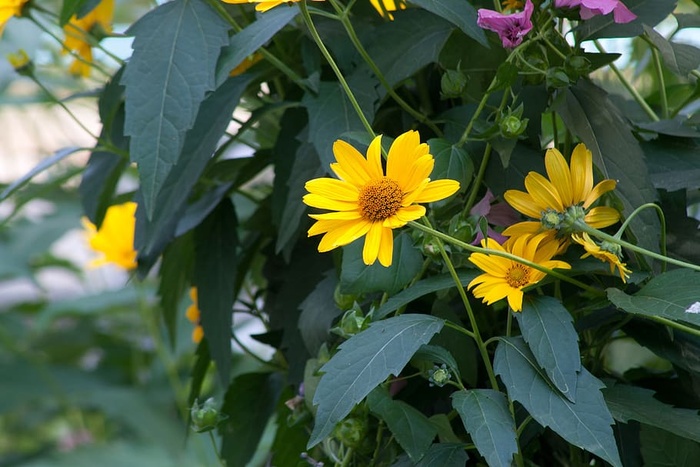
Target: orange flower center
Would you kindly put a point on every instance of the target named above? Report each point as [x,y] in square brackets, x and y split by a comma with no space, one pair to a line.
[518,275]
[380,199]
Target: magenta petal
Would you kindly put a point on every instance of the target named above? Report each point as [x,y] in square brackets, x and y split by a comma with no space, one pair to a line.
[566,3]
[622,14]
[600,7]
[510,28]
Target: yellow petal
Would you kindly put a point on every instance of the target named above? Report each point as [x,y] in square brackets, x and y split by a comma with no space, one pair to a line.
[437,190]
[323,226]
[559,175]
[515,299]
[345,233]
[522,228]
[598,191]
[321,202]
[338,215]
[386,248]
[332,189]
[523,203]
[372,243]
[542,192]
[374,158]
[401,155]
[419,171]
[409,213]
[353,164]
[493,265]
[602,216]
[581,173]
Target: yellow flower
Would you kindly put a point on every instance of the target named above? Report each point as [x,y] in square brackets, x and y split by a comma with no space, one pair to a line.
[263,5]
[8,9]
[384,7]
[21,62]
[96,23]
[246,64]
[505,278]
[369,202]
[606,252]
[566,196]
[115,238]
[195,316]
[512,4]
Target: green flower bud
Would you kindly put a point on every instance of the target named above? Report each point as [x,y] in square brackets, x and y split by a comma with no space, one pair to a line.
[439,375]
[452,84]
[21,62]
[205,417]
[351,432]
[557,78]
[577,66]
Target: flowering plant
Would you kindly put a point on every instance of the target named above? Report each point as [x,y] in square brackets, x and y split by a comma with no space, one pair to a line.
[316,167]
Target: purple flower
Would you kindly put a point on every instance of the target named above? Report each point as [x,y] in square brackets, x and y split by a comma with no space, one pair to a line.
[591,8]
[498,214]
[510,28]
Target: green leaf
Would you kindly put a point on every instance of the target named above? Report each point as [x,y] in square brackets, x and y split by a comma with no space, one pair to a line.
[663,449]
[79,8]
[176,47]
[356,277]
[318,311]
[681,59]
[422,288]
[649,12]
[548,329]
[444,455]
[673,295]
[590,115]
[635,403]
[673,163]
[451,162]
[251,38]
[101,303]
[586,423]
[461,14]
[199,372]
[175,273]
[44,164]
[249,403]
[363,362]
[214,276]
[687,20]
[412,430]
[487,419]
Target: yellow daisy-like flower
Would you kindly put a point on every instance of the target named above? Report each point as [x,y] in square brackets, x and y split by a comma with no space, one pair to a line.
[385,7]
[263,5]
[369,202]
[568,191]
[606,252]
[115,237]
[505,278]
[8,9]
[195,316]
[77,31]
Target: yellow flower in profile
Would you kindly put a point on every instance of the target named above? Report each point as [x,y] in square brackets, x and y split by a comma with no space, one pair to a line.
[566,196]
[8,9]
[78,31]
[263,5]
[385,7]
[21,62]
[195,317]
[368,202]
[115,237]
[246,64]
[606,252]
[506,278]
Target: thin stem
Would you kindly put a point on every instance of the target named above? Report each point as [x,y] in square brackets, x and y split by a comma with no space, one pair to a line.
[216,448]
[659,75]
[249,352]
[346,458]
[662,220]
[327,55]
[63,106]
[476,184]
[673,324]
[477,112]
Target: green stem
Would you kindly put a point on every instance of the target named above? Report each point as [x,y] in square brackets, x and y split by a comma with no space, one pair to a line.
[662,220]
[673,324]
[477,112]
[637,97]
[327,55]
[216,448]
[63,106]
[346,458]
[662,83]
[476,184]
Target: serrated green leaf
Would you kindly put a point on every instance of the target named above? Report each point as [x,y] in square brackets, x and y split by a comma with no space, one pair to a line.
[356,277]
[214,276]
[548,329]
[673,295]
[176,47]
[444,455]
[363,362]
[412,430]
[681,59]
[635,403]
[649,12]
[589,114]
[663,449]
[318,311]
[461,14]
[451,162]
[251,38]
[586,424]
[486,417]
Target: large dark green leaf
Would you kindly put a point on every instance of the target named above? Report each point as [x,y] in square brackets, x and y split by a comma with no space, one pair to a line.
[175,273]
[412,430]
[590,115]
[451,162]
[486,416]
[674,295]
[681,59]
[461,14]
[586,423]
[635,403]
[444,455]
[214,276]
[176,47]
[663,449]
[673,163]
[548,329]
[649,12]
[363,362]
[318,311]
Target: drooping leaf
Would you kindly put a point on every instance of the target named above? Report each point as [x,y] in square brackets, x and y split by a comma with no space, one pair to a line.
[636,403]
[176,47]
[461,14]
[548,329]
[649,12]
[451,162]
[318,311]
[673,295]
[357,277]
[216,241]
[681,59]
[586,423]
[486,417]
[363,362]
[663,449]
[444,455]
[412,430]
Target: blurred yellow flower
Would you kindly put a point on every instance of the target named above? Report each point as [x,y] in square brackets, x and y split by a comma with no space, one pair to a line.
[385,7]
[505,278]
[512,4]
[263,5]
[367,202]
[8,9]
[79,31]
[246,64]
[115,237]
[195,316]
[21,62]
[605,252]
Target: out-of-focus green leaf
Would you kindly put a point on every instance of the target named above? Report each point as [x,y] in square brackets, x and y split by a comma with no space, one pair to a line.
[363,362]
[673,295]
[199,371]
[114,454]
[486,417]
[176,47]
[687,20]
[681,59]
[451,162]
[356,277]
[215,261]
[586,424]
[79,8]
[412,430]
[175,277]
[444,455]
[461,14]
[290,436]
[548,329]
[661,448]
[318,311]
[673,163]
[101,303]
[679,126]
[649,12]
[636,403]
